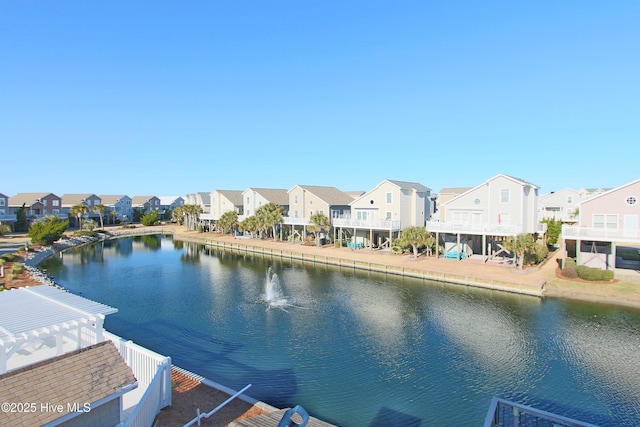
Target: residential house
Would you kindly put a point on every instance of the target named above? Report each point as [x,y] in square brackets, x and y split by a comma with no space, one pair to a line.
[36,204]
[444,196]
[606,222]
[222,201]
[120,204]
[89,200]
[146,204]
[253,198]
[588,193]
[307,200]
[168,204]
[477,220]
[560,205]
[63,358]
[5,216]
[201,198]
[378,215]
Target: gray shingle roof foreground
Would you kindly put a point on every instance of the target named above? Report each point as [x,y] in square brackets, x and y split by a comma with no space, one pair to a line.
[83,376]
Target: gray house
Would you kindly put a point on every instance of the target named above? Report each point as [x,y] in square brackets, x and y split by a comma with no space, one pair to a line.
[120,204]
[479,219]
[377,216]
[560,205]
[5,216]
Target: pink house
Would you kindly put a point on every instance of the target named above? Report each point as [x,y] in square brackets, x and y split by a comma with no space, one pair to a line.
[606,222]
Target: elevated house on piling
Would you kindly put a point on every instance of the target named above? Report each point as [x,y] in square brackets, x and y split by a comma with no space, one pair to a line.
[307,200]
[607,222]
[222,201]
[377,216]
[478,220]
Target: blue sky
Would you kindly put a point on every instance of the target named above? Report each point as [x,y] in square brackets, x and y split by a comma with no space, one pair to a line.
[168,98]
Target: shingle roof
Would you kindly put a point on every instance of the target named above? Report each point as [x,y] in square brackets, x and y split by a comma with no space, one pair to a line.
[140,200]
[112,199]
[26,198]
[234,196]
[330,195]
[75,199]
[413,185]
[455,190]
[276,195]
[86,375]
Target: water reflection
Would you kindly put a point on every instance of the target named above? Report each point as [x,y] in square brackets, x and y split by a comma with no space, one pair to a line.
[425,353]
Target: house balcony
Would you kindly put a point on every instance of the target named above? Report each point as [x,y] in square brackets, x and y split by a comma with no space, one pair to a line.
[209,217]
[387,225]
[480,229]
[571,232]
[8,218]
[287,220]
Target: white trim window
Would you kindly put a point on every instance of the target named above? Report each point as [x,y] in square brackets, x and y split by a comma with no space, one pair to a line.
[504,196]
[295,199]
[569,200]
[389,197]
[388,215]
[2,201]
[605,221]
[361,215]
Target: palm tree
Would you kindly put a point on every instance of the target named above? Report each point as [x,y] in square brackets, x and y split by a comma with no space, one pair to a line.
[317,223]
[249,224]
[228,221]
[519,245]
[416,237]
[113,215]
[78,211]
[101,210]
[269,215]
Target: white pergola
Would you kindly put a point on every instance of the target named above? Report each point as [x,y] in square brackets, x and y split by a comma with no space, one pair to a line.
[41,322]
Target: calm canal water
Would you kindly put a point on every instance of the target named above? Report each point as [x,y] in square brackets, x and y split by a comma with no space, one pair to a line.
[359,349]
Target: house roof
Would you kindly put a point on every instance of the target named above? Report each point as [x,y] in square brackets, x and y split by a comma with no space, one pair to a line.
[610,191]
[410,185]
[517,180]
[76,199]
[112,199]
[88,375]
[276,195]
[141,200]
[206,197]
[330,195]
[168,200]
[455,190]
[234,196]
[27,199]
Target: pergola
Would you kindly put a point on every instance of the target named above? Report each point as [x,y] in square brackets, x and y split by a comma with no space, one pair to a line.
[41,322]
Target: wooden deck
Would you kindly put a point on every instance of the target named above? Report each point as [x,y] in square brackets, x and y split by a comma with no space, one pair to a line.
[272,419]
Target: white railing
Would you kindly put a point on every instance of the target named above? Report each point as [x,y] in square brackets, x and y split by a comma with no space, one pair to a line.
[209,216]
[504,413]
[368,224]
[145,365]
[8,218]
[151,402]
[200,416]
[573,232]
[295,221]
[466,227]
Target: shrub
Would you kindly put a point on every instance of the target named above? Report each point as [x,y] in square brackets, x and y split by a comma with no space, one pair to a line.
[570,271]
[88,233]
[47,230]
[536,254]
[150,218]
[594,274]
[17,268]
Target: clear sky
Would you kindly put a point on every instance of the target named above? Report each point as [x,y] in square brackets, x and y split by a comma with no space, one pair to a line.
[168,98]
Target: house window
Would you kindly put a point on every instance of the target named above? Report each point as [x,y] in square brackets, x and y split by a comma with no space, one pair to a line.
[310,214]
[570,200]
[631,200]
[55,212]
[389,197]
[361,216]
[1,211]
[2,202]
[388,215]
[44,203]
[504,195]
[295,214]
[605,221]
[295,199]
